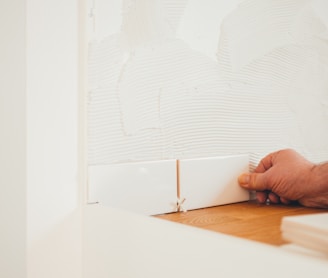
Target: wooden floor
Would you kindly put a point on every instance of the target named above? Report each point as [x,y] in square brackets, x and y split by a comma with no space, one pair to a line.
[250,220]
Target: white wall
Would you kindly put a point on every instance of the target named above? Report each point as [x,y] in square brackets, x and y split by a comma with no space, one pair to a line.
[180,79]
[53,199]
[13,139]
[40,198]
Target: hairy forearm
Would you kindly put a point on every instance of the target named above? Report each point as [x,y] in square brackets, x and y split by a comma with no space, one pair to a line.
[316,192]
[319,179]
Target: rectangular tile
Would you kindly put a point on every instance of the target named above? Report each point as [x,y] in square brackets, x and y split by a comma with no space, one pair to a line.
[213,181]
[144,187]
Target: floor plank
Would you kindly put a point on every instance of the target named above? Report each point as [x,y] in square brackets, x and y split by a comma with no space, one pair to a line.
[250,220]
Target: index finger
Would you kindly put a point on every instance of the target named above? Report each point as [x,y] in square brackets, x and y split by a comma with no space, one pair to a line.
[265,164]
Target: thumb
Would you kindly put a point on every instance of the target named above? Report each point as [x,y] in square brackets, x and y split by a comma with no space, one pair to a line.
[253,181]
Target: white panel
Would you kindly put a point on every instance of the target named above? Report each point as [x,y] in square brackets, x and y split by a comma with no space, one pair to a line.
[212,181]
[145,187]
[121,244]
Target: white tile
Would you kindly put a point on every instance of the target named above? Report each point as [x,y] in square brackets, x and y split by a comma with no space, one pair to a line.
[309,231]
[213,181]
[144,187]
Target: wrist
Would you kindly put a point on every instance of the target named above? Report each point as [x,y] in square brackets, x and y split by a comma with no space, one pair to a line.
[319,178]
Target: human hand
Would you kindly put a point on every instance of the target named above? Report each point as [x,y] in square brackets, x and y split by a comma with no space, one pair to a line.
[286,176]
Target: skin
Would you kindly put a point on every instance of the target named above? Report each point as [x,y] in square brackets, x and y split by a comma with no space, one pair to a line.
[285,176]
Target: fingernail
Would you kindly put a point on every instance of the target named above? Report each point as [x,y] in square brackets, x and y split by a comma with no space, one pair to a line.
[244,179]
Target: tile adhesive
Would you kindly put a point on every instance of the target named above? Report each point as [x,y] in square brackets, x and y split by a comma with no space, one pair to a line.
[188,79]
